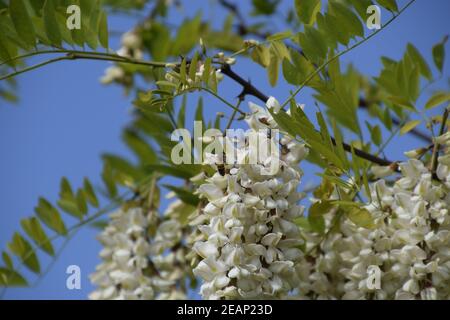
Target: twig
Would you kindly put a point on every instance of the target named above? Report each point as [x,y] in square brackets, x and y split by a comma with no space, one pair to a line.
[434,158]
[233,115]
[77,55]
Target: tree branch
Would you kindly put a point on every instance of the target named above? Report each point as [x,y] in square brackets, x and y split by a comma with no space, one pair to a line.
[244,30]
[79,55]
[434,157]
[249,89]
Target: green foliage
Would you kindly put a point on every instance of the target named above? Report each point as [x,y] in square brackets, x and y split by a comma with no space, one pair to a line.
[45,24]
[307,10]
[11,278]
[439,54]
[264,7]
[34,230]
[309,58]
[437,99]
[73,203]
[361,217]
[299,125]
[22,21]
[401,80]
[409,126]
[390,5]
[315,215]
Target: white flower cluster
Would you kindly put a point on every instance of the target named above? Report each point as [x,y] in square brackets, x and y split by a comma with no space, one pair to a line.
[250,242]
[135,266]
[409,245]
[131,48]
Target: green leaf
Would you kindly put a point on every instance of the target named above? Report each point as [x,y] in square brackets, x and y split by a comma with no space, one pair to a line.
[417,58]
[366,185]
[50,216]
[391,5]
[300,68]
[261,55]
[375,133]
[81,202]
[99,224]
[355,165]
[7,260]
[280,50]
[280,36]
[65,189]
[51,23]
[361,217]
[140,147]
[11,278]
[402,102]
[339,146]
[34,230]
[182,112]
[324,130]
[22,21]
[313,44]
[183,71]
[409,126]
[307,10]
[4,48]
[193,66]
[303,223]
[207,71]
[315,215]
[103,30]
[175,171]
[264,7]
[439,54]
[290,73]
[273,69]
[20,247]
[108,180]
[199,110]
[89,192]
[346,18]
[70,206]
[437,99]
[320,207]
[185,195]
[213,82]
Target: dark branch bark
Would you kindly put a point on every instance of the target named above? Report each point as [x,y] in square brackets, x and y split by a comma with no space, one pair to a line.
[249,89]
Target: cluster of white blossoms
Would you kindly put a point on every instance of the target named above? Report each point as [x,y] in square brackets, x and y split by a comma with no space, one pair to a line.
[408,249]
[250,244]
[131,48]
[143,257]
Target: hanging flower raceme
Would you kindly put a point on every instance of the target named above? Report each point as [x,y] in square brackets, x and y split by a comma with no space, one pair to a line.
[143,257]
[250,243]
[407,250]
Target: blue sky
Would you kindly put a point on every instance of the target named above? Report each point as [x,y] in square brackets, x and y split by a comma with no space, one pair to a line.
[65,119]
